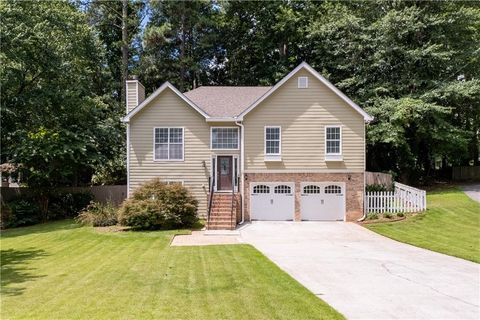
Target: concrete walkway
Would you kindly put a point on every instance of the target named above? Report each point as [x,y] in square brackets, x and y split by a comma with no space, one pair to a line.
[206,238]
[472,190]
[366,276]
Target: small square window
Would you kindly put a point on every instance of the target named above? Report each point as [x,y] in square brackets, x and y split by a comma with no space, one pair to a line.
[302,82]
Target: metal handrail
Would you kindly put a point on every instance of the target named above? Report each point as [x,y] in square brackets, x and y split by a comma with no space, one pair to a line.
[211,184]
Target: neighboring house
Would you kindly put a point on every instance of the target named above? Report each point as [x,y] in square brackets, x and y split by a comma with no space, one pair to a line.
[294,151]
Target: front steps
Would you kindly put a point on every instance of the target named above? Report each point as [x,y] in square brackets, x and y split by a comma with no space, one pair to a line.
[222,217]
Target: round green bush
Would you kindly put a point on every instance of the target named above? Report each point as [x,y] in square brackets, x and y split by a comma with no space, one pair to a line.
[157,205]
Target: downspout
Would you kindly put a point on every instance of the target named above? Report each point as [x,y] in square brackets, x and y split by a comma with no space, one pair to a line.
[242,167]
[364,168]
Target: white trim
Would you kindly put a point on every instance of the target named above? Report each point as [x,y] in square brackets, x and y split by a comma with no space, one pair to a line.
[168,142]
[242,167]
[128,160]
[333,156]
[306,83]
[164,86]
[222,119]
[272,155]
[229,127]
[303,171]
[233,156]
[305,65]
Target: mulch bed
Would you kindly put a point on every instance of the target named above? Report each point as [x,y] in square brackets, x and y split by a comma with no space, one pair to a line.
[112,229]
[383,220]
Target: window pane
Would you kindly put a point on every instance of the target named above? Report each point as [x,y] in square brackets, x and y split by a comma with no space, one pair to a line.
[161,151]
[333,140]
[176,151]
[176,135]
[272,140]
[161,135]
[225,138]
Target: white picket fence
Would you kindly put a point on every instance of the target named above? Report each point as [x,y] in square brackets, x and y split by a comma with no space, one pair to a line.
[403,199]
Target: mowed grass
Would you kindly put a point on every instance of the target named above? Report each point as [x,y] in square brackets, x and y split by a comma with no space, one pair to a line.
[451,225]
[63,271]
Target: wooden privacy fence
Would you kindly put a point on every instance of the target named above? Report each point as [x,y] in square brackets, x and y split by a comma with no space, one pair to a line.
[403,199]
[115,194]
[466,173]
[379,178]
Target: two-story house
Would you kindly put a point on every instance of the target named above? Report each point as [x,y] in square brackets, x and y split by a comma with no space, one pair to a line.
[294,151]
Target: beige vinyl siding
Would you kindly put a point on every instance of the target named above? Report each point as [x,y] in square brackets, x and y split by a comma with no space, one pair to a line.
[303,115]
[141,93]
[168,110]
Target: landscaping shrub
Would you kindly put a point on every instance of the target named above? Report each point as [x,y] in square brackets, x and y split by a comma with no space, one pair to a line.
[157,205]
[97,214]
[372,216]
[20,212]
[68,204]
[400,214]
[387,215]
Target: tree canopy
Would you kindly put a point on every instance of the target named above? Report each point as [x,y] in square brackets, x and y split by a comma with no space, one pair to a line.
[413,65]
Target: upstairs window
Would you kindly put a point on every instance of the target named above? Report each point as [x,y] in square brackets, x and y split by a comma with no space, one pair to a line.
[302,82]
[168,144]
[273,140]
[224,138]
[333,140]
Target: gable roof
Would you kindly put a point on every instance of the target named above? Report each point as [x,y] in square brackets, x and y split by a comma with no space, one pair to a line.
[327,83]
[220,101]
[226,103]
[155,94]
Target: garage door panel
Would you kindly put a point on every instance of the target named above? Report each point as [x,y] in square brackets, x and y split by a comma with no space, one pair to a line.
[272,201]
[322,201]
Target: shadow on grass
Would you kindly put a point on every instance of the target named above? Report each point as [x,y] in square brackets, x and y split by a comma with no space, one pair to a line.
[15,270]
[40,228]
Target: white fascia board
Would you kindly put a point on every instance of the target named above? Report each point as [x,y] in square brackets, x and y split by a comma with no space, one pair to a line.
[155,94]
[305,65]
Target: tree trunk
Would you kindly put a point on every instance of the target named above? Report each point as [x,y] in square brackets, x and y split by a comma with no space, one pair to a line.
[124,52]
[182,51]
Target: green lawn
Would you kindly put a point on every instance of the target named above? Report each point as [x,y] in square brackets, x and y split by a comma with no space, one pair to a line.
[60,270]
[451,225]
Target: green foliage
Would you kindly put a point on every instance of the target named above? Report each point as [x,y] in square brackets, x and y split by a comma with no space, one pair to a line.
[20,212]
[97,214]
[157,205]
[376,188]
[68,204]
[372,216]
[387,215]
[400,214]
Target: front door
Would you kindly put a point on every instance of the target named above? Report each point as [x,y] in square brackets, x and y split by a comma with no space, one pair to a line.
[224,172]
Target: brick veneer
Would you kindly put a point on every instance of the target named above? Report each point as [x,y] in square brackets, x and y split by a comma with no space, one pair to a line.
[353,181]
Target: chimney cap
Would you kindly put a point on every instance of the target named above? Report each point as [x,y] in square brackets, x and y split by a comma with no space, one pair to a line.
[134,77]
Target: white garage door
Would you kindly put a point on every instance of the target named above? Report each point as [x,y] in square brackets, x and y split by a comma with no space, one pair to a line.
[322,201]
[272,201]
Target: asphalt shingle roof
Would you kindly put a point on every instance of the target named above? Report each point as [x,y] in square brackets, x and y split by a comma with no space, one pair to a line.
[225,101]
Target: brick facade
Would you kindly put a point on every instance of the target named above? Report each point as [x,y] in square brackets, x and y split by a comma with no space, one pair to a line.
[354,183]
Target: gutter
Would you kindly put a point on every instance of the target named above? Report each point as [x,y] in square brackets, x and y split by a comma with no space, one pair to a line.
[242,167]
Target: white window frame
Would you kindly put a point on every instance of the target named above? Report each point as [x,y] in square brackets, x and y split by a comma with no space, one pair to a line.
[168,143]
[272,156]
[231,127]
[172,181]
[299,80]
[338,156]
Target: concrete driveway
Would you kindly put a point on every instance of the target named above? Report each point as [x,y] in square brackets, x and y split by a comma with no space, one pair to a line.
[366,276]
[472,190]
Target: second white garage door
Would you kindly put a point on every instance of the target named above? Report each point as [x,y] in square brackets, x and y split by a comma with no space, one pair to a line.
[272,201]
[322,201]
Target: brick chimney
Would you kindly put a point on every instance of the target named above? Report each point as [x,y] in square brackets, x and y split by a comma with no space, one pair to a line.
[135,93]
